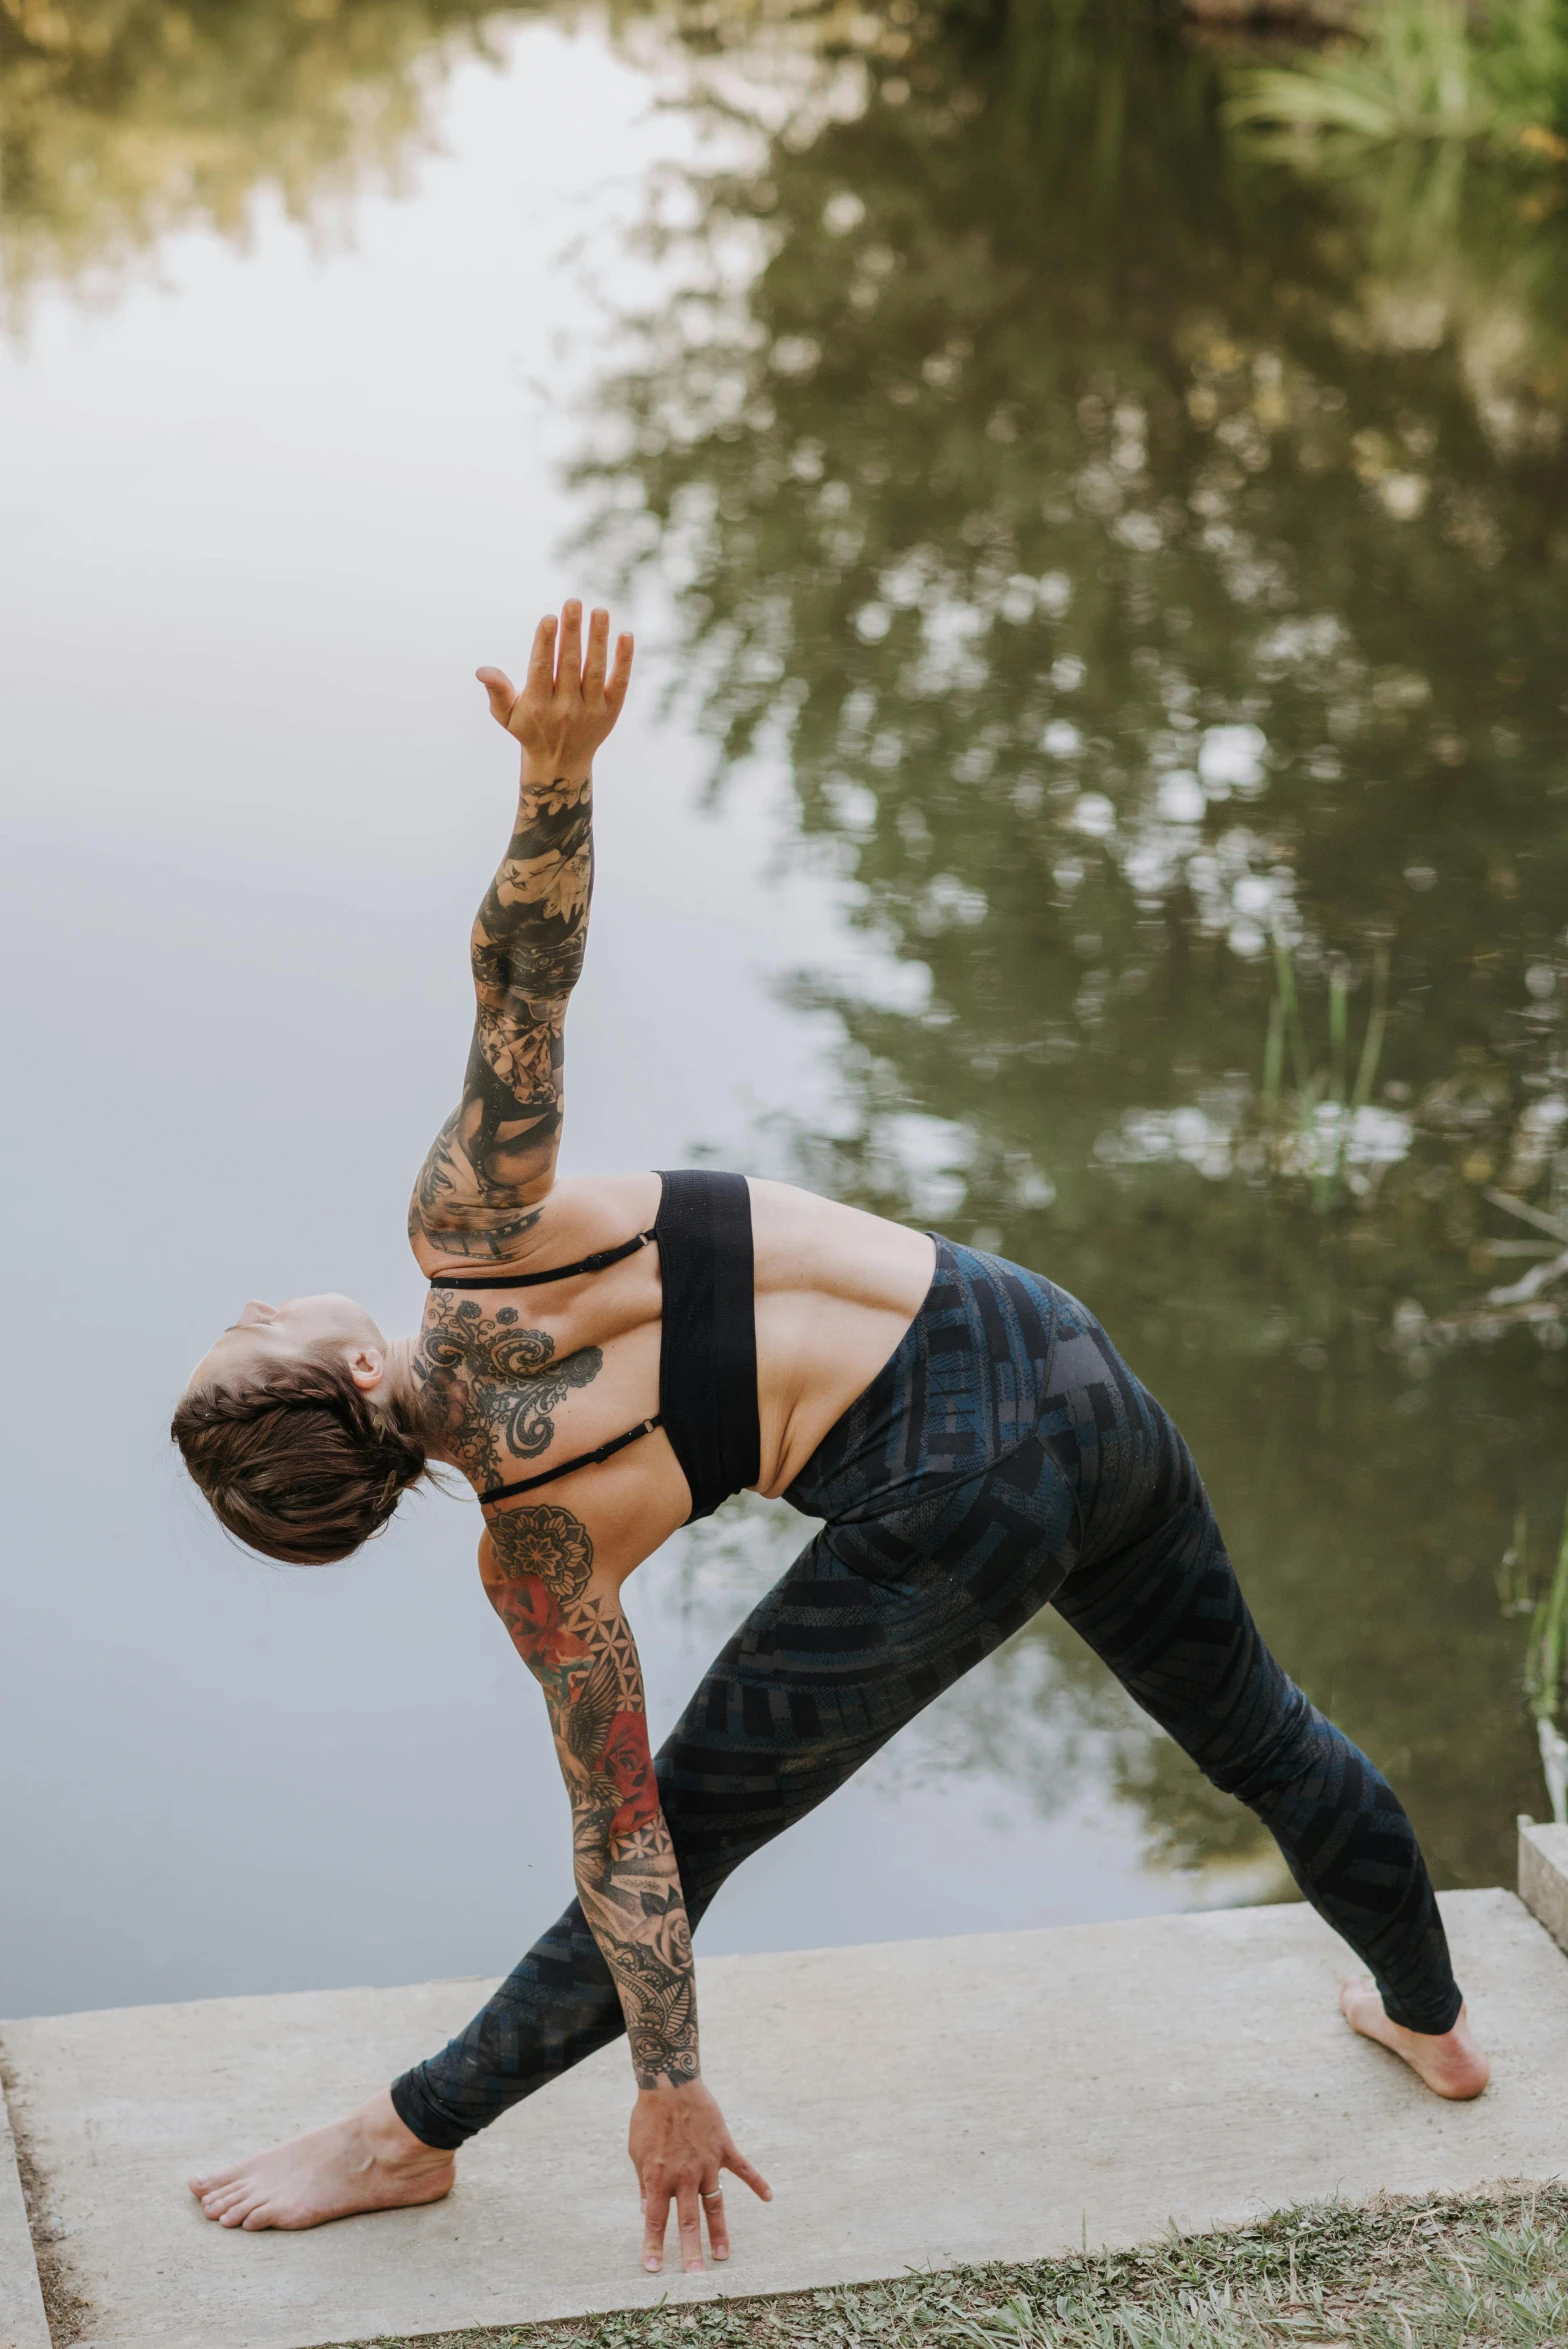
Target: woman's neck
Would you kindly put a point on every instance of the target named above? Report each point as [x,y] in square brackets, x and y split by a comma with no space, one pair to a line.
[408,1397]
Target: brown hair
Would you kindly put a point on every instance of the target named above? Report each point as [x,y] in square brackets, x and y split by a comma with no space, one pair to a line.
[303,1467]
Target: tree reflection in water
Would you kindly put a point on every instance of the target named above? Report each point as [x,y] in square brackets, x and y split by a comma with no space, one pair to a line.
[1152,563]
[1145,556]
[121,120]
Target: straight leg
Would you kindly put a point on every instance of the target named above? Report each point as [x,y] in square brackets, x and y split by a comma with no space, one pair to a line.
[1159,1602]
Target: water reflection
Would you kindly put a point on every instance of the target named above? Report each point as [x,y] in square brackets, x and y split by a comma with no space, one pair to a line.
[287,496]
[1147,567]
[1153,564]
[119,124]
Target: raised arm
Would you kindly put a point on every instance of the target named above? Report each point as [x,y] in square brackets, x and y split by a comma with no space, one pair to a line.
[493,1162]
[567,1624]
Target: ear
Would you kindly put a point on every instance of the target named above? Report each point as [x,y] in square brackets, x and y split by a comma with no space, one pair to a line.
[367,1367]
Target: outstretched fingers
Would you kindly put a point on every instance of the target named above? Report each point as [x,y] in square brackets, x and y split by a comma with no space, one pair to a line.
[572,693]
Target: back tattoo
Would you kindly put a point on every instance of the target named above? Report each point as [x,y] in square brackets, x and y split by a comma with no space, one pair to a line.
[494,1382]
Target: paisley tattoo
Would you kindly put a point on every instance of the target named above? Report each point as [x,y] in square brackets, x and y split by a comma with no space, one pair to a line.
[472,1197]
[491,1383]
[580,1649]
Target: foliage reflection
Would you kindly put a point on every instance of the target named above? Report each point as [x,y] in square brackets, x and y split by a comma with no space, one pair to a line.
[121,120]
[1153,566]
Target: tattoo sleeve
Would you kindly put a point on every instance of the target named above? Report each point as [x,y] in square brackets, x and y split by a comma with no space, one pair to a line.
[495,1156]
[578,1645]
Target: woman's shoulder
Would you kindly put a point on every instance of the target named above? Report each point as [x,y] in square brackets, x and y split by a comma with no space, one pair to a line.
[578,1215]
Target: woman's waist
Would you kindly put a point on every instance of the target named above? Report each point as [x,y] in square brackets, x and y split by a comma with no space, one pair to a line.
[816,1352]
[965,1386]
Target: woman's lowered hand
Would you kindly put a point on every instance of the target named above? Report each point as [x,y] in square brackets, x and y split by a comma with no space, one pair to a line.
[679,2144]
[568,704]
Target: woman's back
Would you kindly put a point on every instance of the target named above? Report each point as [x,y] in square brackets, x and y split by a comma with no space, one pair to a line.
[528,1378]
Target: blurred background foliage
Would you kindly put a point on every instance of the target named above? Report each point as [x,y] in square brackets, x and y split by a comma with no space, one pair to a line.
[123,120]
[1120,477]
[1147,556]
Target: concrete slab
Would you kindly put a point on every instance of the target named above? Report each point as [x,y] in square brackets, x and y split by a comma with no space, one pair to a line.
[1543,1876]
[23,2324]
[914,2103]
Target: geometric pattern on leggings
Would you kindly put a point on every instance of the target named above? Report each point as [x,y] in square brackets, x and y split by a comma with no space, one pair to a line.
[1004,1458]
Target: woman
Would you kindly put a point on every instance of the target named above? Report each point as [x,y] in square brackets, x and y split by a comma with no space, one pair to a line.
[607,1358]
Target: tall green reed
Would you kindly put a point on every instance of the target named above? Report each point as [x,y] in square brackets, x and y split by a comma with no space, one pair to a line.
[1311,1125]
[1546,1651]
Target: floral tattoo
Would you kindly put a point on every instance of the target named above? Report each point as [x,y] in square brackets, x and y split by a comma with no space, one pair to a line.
[580,1648]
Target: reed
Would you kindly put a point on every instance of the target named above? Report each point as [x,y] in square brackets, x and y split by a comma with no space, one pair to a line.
[1544,1654]
[1311,1126]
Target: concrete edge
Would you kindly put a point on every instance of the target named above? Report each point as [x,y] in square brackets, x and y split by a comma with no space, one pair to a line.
[23,2323]
[1543,1876]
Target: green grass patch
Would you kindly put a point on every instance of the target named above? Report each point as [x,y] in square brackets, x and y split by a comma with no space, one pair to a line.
[1441,2272]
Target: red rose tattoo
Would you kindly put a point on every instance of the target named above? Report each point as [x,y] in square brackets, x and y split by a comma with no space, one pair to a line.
[628,1764]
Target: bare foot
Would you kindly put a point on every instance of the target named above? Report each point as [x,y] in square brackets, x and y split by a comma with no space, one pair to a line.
[1449,2062]
[368,2162]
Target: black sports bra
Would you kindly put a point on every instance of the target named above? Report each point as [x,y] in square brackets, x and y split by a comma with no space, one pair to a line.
[707,1341]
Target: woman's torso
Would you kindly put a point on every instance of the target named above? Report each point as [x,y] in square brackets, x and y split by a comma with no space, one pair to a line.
[529,1378]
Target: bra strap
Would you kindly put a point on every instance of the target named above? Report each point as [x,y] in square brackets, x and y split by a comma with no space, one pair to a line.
[528,1484]
[532,1280]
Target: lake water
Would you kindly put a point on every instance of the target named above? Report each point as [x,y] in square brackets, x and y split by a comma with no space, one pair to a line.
[1096,785]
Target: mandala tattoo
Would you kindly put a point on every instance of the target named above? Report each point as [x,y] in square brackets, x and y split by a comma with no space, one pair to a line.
[543,1546]
[580,1649]
[526,953]
[491,1383]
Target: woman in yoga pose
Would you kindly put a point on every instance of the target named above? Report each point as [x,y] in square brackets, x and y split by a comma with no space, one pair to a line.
[606,1358]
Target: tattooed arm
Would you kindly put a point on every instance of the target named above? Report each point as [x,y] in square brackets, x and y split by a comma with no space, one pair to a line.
[493,1162]
[567,1624]
[568,1627]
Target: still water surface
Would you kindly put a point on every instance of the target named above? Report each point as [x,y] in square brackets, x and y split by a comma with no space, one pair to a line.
[1104,597]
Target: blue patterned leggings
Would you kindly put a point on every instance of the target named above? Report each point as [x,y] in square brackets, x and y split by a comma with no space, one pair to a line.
[1005,1457]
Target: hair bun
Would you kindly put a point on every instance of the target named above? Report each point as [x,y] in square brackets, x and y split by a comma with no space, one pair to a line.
[301,1466]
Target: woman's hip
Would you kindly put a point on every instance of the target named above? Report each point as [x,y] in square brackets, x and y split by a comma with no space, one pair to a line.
[1004,1403]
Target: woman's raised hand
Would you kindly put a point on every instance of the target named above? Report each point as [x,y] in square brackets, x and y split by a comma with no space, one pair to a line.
[568,702]
[679,2145]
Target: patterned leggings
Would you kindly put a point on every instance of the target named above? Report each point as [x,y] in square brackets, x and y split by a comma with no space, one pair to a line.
[1005,1457]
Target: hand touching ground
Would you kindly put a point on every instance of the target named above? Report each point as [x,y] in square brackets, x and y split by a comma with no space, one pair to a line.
[679,2144]
[568,702]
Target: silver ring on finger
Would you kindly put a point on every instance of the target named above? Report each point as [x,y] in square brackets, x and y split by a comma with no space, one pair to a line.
[712,2194]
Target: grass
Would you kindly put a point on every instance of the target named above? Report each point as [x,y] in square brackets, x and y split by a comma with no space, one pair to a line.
[1426,70]
[1441,2272]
